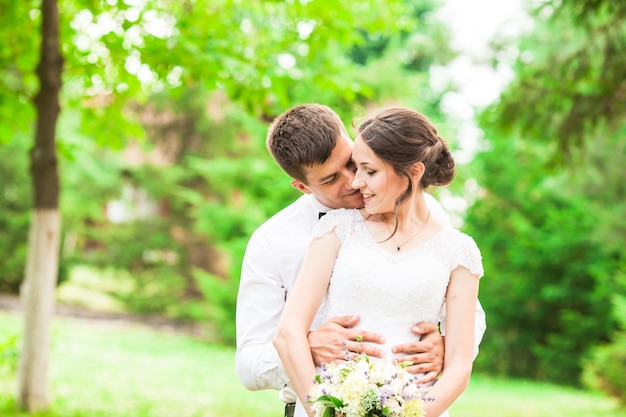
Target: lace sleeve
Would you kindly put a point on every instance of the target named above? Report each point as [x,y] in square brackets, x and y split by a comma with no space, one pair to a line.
[467,254]
[340,221]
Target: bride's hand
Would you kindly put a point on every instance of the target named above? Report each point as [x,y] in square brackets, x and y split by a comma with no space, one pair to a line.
[336,341]
[426,354]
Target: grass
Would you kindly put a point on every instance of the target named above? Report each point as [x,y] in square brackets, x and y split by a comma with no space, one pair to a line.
[119,370]
[115,370]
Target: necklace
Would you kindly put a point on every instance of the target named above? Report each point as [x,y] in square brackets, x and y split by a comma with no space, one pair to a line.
[399,246]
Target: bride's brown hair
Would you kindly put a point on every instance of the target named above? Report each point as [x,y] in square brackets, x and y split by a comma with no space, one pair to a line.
[403,137]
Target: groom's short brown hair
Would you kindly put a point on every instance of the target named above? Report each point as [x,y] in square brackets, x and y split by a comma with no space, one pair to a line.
[304,136]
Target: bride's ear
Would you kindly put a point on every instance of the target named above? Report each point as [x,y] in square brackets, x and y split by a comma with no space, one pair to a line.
[417,172]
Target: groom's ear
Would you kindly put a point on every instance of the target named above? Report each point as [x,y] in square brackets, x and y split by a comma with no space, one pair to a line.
[299,185]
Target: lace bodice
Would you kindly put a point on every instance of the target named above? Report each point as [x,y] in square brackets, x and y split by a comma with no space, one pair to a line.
[392,292]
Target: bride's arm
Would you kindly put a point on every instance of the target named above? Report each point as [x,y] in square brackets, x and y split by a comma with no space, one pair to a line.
[461,299]
[302,304]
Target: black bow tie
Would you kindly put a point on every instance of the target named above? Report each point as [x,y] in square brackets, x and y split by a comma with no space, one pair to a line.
[320,214]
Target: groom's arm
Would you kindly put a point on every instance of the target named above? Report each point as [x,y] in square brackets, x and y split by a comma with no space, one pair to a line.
[260,301]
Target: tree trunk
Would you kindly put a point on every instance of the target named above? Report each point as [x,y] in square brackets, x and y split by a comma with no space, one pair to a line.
[43,242]
[38,307]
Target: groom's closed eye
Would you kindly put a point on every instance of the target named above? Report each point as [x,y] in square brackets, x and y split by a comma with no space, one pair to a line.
[330,181]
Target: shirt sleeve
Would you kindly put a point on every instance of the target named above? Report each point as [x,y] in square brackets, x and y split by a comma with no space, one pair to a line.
[260,301]
[480,325]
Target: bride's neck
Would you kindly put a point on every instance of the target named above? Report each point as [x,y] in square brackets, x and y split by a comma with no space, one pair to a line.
[411,213]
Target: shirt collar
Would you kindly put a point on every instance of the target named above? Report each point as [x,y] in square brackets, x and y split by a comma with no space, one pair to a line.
[317,206]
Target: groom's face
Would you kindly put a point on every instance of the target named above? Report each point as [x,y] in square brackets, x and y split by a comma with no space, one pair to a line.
[331,182]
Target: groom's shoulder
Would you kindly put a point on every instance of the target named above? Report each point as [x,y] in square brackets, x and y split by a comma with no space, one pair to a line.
[292,218]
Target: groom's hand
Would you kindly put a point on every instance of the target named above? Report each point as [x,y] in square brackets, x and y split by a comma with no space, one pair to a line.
[426,353]
[336,341]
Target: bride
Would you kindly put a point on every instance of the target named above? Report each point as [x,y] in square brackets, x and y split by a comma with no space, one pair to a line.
[389,262]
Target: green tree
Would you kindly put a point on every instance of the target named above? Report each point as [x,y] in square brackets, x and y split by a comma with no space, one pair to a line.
[546,290]
[119,54]
[217,189]
[15,203]
[569,78]
[45,226]
[547,220]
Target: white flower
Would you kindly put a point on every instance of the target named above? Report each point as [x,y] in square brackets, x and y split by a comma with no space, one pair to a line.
[363,388]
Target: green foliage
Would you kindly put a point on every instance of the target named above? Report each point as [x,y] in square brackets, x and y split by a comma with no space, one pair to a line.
[222,45]
[182,259]
[548,286]
[9,353]
[152,263]
[605,369]
[15,211]
[549,232]
[18,59]
[569,74]
[15,202]
[219,298]
[117,54]
[195,83]
[221,185]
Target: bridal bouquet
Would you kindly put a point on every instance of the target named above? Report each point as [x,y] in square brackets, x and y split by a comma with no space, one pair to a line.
[364,388]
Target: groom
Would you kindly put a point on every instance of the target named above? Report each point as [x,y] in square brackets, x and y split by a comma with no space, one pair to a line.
[311,145]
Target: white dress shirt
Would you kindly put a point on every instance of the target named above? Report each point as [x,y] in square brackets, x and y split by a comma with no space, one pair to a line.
[270,267]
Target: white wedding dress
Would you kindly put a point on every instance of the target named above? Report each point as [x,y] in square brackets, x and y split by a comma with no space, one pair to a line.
[391,292]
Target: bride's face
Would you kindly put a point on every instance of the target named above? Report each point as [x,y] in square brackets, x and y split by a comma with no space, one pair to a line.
[376,179]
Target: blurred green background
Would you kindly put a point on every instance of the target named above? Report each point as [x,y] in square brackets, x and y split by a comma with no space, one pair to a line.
[164,171]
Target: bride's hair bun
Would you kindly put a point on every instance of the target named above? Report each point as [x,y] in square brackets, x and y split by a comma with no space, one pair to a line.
[403,137]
